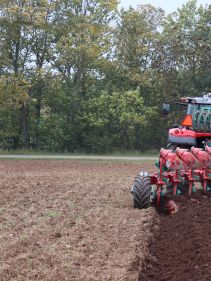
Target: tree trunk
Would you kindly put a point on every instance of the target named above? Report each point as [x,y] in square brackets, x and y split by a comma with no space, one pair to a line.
[24,125]
[138,137]
[38,105]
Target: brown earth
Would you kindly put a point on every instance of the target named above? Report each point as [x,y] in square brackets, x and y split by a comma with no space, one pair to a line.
[181,250]
[70,220]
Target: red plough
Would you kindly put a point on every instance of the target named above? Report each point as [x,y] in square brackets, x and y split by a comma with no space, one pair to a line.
[185,166]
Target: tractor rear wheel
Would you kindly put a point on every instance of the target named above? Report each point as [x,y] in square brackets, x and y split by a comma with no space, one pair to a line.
[141,192]
[171,146]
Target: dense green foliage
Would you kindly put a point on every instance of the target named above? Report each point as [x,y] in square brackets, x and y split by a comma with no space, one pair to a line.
[79,75]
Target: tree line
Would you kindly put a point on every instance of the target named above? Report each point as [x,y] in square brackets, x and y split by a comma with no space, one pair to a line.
[80,75]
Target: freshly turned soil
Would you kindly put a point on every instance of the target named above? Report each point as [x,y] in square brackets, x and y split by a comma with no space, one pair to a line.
[181,249]
[71,220]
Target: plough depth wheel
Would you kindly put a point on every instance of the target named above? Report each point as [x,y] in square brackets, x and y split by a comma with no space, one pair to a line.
[141,191]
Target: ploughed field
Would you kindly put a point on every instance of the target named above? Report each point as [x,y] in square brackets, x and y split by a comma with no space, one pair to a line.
[74,220]
[69,220]
[181,249]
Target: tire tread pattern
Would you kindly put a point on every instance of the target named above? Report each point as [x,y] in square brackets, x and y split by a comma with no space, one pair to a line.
[141,192]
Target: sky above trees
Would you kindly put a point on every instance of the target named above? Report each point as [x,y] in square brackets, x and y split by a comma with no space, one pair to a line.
[168,6]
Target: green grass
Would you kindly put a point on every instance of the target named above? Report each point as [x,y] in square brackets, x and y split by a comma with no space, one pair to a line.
[25,152]
[152,152]
[116,153]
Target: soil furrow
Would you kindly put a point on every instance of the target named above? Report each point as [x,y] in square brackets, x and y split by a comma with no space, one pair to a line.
[181,249]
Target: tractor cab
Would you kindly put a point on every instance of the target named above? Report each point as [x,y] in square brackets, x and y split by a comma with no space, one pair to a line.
[201,115]
[195,129]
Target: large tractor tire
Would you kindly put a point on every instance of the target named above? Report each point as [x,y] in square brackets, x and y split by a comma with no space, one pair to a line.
[171,146]
[141,191]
